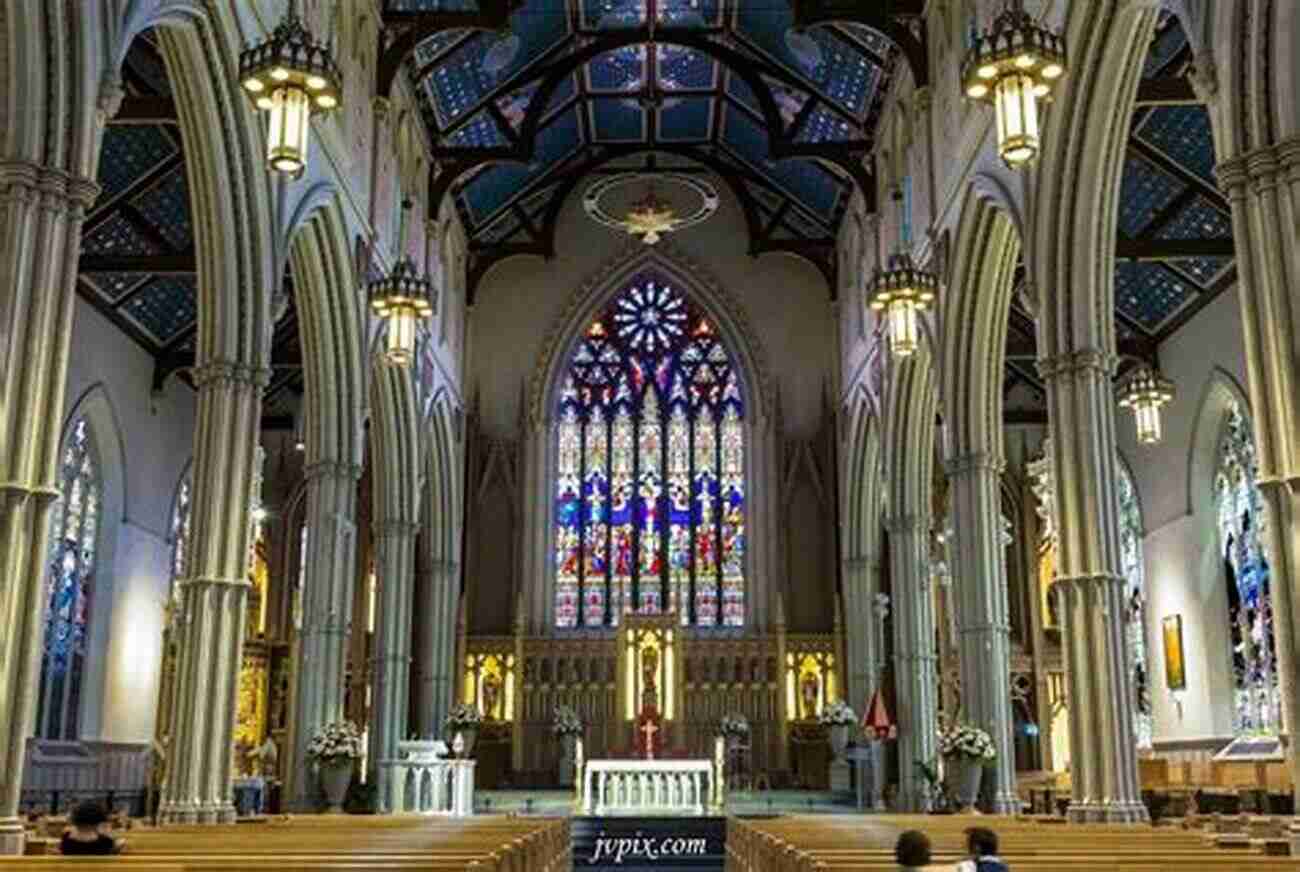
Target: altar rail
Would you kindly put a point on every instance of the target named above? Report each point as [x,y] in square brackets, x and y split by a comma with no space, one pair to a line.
[646,787]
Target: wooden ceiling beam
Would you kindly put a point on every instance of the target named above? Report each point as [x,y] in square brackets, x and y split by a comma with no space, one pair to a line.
[1167,91]
[1172,249]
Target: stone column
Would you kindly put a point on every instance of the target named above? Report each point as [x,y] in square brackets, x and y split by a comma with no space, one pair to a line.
[326,616]
[983,624]
[1090,587]
[395,567]
[1263,188]
[437,668]
[914,656]
[41,212]
[213,596]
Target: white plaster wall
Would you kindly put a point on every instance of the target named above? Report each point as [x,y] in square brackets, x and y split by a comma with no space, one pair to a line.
[1181,548]
[152,445]
[785,299]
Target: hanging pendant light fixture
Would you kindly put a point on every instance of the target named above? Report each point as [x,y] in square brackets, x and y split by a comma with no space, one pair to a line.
[293,77]
[902,292]
[1015,65]
[1145,392]
[402,298]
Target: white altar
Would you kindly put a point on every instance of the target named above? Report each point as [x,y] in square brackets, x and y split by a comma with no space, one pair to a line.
[646,787]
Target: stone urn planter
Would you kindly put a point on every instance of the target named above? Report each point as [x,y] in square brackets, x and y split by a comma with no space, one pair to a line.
[965,780]
[568,757]
[335,776]
[839,738]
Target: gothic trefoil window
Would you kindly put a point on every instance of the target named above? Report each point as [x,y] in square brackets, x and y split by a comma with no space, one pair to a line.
[1257,703]
[69,581]
[650,484]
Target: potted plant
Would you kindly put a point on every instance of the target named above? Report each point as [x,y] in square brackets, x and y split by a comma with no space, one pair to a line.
[464,720]
[967,751]
[735,729]
[839,719]
[334,747]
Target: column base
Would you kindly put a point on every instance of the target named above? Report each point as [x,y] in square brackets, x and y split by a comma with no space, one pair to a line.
[1107,813]
[220,813]
[13,838]
[1007,803]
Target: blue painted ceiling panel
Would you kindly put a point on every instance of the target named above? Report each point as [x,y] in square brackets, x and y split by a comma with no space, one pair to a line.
[1203,270]
[1144,191]
[686,69]
[113,286]
[1200,220]
[1150,294]
[166,307]
[1183,134]
[116,235]
[167,206]
[130,151]
[802,179]
[617,119]
[689,119]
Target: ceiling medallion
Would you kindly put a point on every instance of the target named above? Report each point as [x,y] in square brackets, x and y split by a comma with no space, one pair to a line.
[650,206]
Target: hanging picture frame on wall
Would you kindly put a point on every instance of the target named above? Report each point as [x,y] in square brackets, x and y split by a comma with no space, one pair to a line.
[1175,666]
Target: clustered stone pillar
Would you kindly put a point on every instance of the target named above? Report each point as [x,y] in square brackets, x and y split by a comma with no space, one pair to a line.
[863,655]
[441,591]
[394,565]
[326,615]
[41,212]
[983,622]
[214,595]
[915,659]
[1263,188]
[1090,588]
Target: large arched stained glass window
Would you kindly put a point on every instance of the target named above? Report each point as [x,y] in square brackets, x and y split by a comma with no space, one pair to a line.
[69,580]
[1130,553]
[650,489]
[1257,703]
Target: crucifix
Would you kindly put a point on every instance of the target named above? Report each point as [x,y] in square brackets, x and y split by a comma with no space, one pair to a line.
[649,729]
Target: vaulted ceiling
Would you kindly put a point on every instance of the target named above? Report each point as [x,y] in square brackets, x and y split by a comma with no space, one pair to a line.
[137,262]
[595,81]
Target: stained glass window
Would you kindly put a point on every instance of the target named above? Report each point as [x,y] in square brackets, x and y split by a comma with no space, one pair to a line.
[650,477]
[74,529]
[1257,702]
[1130,555]
[180,535]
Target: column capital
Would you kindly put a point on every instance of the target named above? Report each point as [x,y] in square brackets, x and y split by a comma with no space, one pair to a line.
[21,490]
[1070,363]
[30,179]
[976,461]
[1097,579]
[332,469]
[228,373]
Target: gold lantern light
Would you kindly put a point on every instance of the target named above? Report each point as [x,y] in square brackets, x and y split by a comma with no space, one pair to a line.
[1015,65]
[902,293]
[1145,392]
[403,298]
[292,77]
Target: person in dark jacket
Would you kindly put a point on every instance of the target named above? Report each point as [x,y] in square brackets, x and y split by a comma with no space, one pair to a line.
[912,851]
[982,845]
[88,834]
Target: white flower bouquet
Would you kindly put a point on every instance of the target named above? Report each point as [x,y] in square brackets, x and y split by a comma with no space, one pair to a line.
[733,726]
[339,741]
[565,722]
[463,717]
[963,740]
[838,714]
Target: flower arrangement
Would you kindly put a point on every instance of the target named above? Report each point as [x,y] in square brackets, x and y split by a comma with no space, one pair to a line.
[338,741]
[733,726]
[463,717]
[838,714]
[963,740]
[565,722]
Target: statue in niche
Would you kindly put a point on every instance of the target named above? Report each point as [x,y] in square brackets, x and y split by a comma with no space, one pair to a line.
[491,697]
[808,688]
[649,678]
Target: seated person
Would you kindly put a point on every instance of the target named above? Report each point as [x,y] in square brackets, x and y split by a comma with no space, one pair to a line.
[982,845]
[88,834]
[912,851]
